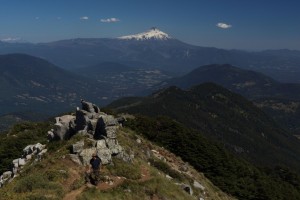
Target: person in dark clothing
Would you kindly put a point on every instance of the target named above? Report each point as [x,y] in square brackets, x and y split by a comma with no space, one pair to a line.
[93,174]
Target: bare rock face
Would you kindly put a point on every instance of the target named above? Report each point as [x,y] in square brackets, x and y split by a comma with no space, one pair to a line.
[28,150]
[92,124]
[38,147]
[81,120]
[196,184]
[78,147]
[89,107]
[114,146]
[88,117]
[106,127]
[108,120]
[86,154]
[101,144]
[64,126]
[5,178]
[6,175]
[21,161]
[104,155]
[103,151]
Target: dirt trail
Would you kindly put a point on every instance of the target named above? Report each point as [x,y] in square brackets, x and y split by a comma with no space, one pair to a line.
[145,174]
[76,173]
[73,194]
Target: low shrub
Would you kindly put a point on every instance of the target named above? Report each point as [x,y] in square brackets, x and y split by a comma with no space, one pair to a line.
[38,182]
[29,183]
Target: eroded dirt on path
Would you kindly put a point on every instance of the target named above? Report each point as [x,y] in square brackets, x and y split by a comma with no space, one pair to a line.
[76,172]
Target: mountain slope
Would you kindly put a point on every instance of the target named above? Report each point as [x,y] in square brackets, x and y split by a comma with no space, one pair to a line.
[225,116]
[285,111]
[56,176]
[279,100]
[234,176]
[32,84]
[248,83]
[157,49]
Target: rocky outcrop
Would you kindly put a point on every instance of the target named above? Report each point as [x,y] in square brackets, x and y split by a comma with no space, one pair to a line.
[36,151]
[100,129]
[77,147]
[187,188]
[86,155]
[82,155]
[86,118]
[89,120]
[89,107]
[198,185]
[103,152]
[113,145]
[64,127]
[106,127]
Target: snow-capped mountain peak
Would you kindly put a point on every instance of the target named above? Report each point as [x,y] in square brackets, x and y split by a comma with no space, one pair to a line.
[153,33]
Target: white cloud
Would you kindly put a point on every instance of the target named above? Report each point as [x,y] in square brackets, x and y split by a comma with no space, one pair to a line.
[110,20]
[223,25]
[10,39]
[84,18]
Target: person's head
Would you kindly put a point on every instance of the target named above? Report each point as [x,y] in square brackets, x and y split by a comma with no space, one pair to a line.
[94,155]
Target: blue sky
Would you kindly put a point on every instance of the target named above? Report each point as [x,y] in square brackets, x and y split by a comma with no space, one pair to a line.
[248,24]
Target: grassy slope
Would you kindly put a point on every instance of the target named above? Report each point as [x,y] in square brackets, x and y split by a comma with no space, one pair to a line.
[56,176]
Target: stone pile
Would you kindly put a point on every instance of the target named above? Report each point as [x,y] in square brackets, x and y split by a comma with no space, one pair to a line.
[99,127]
[36,151]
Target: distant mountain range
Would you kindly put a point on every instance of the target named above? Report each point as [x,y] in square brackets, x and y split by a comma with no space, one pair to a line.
[156,49]
[8,120]
[220,114]
[32,84]
[103,70]
[251,84]
[279,100]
